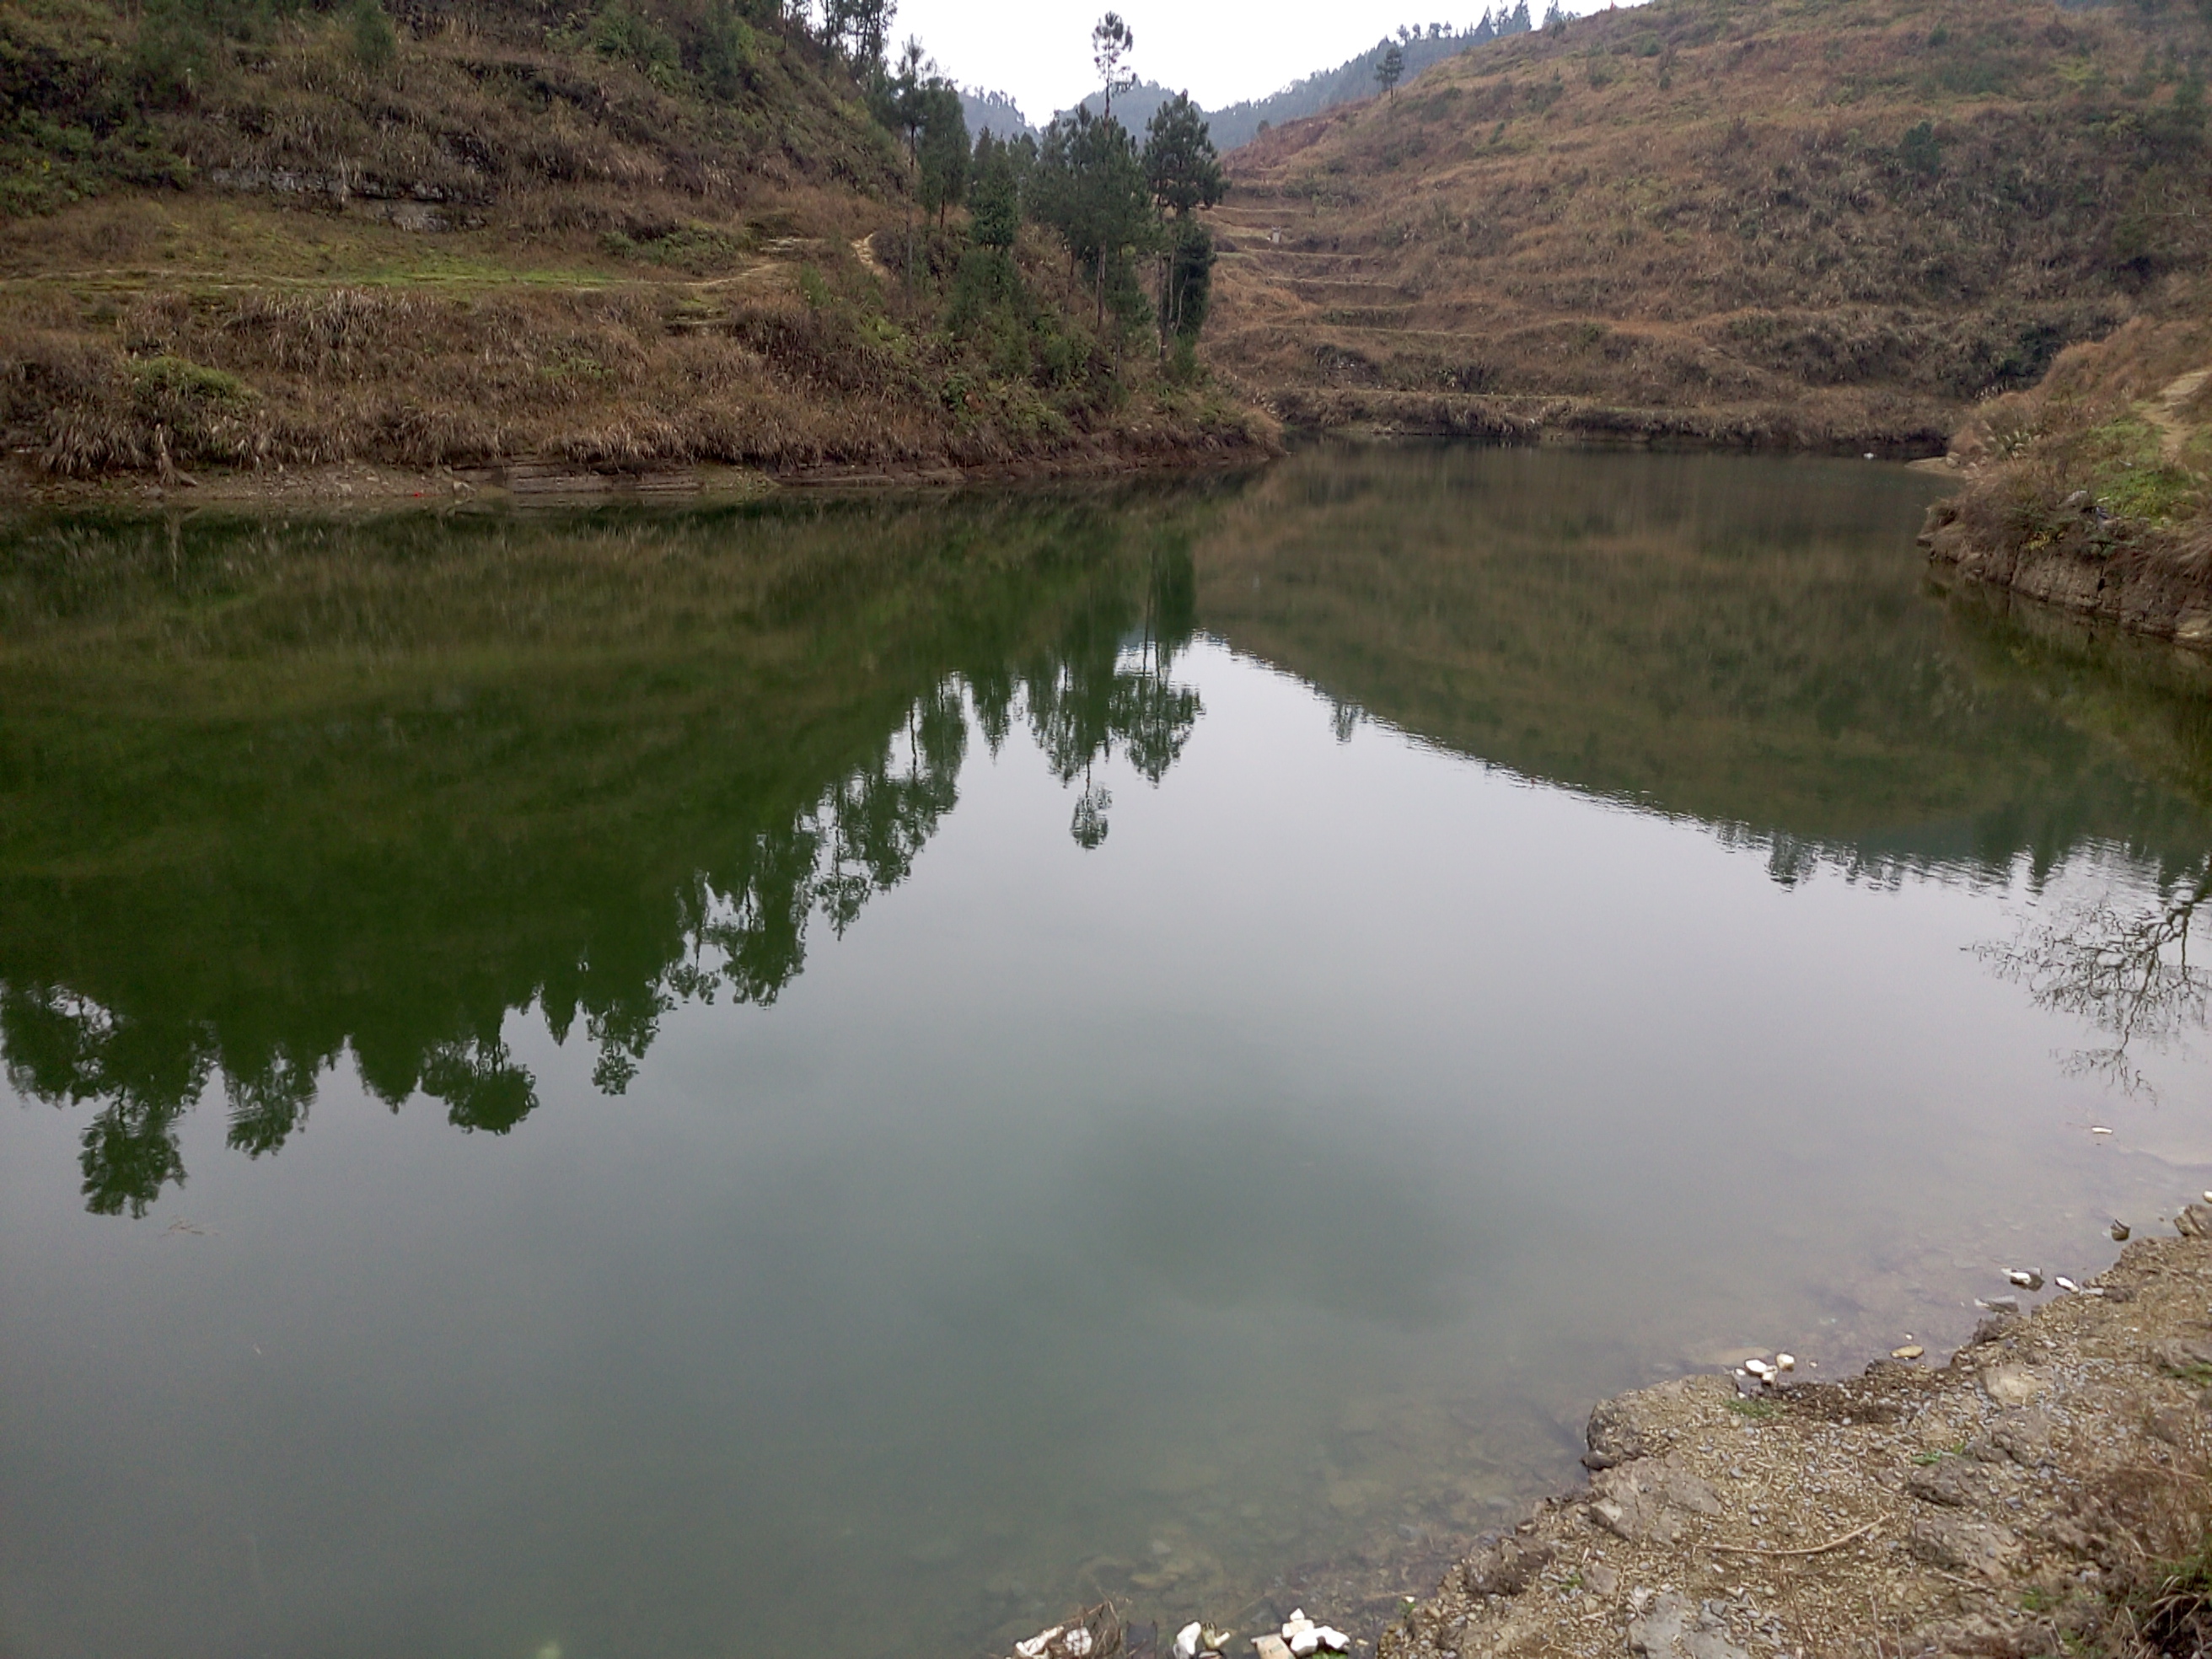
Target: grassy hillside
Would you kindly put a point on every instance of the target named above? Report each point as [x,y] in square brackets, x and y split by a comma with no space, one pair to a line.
[1789,217]
[469,235]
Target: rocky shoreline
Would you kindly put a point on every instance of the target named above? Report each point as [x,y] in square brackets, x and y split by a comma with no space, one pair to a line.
[2045,1491]
[1911,429]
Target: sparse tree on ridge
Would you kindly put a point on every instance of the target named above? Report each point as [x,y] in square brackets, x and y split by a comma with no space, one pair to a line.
[1389,69]
[858,29]
[903,94]
[1112,43]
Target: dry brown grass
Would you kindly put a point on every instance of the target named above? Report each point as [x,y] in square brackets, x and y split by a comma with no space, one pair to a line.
[621,379]
[482,106]
[1707,203]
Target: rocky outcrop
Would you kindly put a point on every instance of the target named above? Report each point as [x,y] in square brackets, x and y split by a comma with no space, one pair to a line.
[2079,560]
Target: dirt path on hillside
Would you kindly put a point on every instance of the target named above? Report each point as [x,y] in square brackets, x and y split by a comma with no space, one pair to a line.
[2165,412]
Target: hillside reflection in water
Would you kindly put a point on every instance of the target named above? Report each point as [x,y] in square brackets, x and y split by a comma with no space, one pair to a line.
[951,1056]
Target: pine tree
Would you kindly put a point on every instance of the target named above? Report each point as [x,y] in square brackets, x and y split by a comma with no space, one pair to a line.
[941,157]
[1089,188]
[995,204]
[1392,66]
[1112,43]
[1183,171]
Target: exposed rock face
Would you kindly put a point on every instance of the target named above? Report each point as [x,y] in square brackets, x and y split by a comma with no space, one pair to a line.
[2082,564]
[1926,1506]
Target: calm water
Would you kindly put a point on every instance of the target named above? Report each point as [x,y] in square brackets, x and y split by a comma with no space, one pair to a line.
[833,1079]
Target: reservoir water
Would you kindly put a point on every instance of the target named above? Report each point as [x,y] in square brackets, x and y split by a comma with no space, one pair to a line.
[843,1077]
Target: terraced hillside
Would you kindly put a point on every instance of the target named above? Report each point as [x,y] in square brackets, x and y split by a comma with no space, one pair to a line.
[1784,219]
[525,243]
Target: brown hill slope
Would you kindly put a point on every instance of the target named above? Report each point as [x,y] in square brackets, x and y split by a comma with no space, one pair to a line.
[523,240]
[1790,218]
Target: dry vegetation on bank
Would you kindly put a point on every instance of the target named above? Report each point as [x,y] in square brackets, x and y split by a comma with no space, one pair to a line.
[2091,490]
[497,234]
[1802,219]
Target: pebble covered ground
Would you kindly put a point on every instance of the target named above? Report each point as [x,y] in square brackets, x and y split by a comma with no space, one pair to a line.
[1990,1505]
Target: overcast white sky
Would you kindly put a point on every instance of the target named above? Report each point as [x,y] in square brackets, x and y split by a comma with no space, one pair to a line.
[1218,51]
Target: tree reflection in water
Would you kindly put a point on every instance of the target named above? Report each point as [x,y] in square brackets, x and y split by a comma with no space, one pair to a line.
[2124,968]
[610,946]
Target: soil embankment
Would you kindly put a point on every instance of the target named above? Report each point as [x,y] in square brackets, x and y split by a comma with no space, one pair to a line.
[2045,1491]
[2091,491]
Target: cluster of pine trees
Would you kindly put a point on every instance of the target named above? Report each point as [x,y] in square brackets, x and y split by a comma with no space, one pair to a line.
[1122,210]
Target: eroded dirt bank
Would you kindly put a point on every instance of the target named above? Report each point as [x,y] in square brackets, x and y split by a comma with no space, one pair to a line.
[2090,492]
[2039,1493]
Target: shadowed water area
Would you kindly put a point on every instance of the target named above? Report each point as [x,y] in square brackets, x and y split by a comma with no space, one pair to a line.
[842,1077]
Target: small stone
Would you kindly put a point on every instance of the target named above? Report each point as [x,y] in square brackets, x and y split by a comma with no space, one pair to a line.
[1949,1484]
[1910,1351]
[1600,1579]
[1957,1544]
[1674,1628]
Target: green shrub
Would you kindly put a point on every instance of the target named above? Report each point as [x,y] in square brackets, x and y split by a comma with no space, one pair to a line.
[630,37]
[375,42]
[725,51]
[1920,152]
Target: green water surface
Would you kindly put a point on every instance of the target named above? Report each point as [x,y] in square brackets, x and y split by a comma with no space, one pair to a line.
[841,1077]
